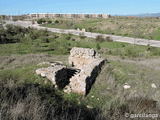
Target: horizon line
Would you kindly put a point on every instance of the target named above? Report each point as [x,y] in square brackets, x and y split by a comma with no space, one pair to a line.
[79,13]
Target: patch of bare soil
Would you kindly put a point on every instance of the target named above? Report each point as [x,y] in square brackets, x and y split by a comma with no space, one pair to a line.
[14,61]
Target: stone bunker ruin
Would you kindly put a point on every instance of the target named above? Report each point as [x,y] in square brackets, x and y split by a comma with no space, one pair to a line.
[85,64]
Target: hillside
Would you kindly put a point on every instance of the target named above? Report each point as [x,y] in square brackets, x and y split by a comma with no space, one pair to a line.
[137,27]
[27,96]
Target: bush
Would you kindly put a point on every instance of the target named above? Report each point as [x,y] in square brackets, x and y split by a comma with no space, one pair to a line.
[90,29]
[109,39]
[49,21]
[41,21]
[38,34]
[12,34]
[16,34]
[98,47]
[100,38]
[56,22]
[68,37]
[45,40]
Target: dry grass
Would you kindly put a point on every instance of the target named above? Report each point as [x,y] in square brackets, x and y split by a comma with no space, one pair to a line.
[115,101]
[34,102]
[15,61]
[134,27]
[106,100]
[26,96]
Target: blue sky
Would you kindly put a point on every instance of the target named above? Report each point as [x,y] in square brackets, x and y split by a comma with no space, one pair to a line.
[114,7]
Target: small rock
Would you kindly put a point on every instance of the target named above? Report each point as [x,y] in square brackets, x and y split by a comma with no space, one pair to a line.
[153,85]
[43,74]
[126,86]
[43,63]
[92,96]
[90,107]
[83,30]
[78,29]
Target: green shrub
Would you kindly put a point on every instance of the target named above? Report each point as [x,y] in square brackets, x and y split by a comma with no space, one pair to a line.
[90,29]
[109,39]
[100,38]
[68,37]
[56,22]
[12,34]
[41,21]
[98,47]
[49,21]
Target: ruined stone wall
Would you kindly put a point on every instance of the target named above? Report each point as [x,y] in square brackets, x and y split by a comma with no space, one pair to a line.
[56,73]
[82,82]
[86,65]
[82,56]
[89,62]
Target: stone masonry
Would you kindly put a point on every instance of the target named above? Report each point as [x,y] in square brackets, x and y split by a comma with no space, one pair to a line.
[89,62]
[56,73]
[86,65]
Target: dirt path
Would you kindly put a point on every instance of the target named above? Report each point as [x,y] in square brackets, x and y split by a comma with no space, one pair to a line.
[137,41]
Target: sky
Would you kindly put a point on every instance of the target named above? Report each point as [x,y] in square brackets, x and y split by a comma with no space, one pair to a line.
[113,7]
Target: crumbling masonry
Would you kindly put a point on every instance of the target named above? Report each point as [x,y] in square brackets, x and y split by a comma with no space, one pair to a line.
[86,65]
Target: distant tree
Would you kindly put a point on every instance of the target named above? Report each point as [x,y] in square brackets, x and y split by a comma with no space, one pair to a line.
[56,22]
[49,21]
[41,21]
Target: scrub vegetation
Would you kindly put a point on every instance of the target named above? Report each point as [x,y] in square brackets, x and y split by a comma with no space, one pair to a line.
[27,96]
[148,28]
